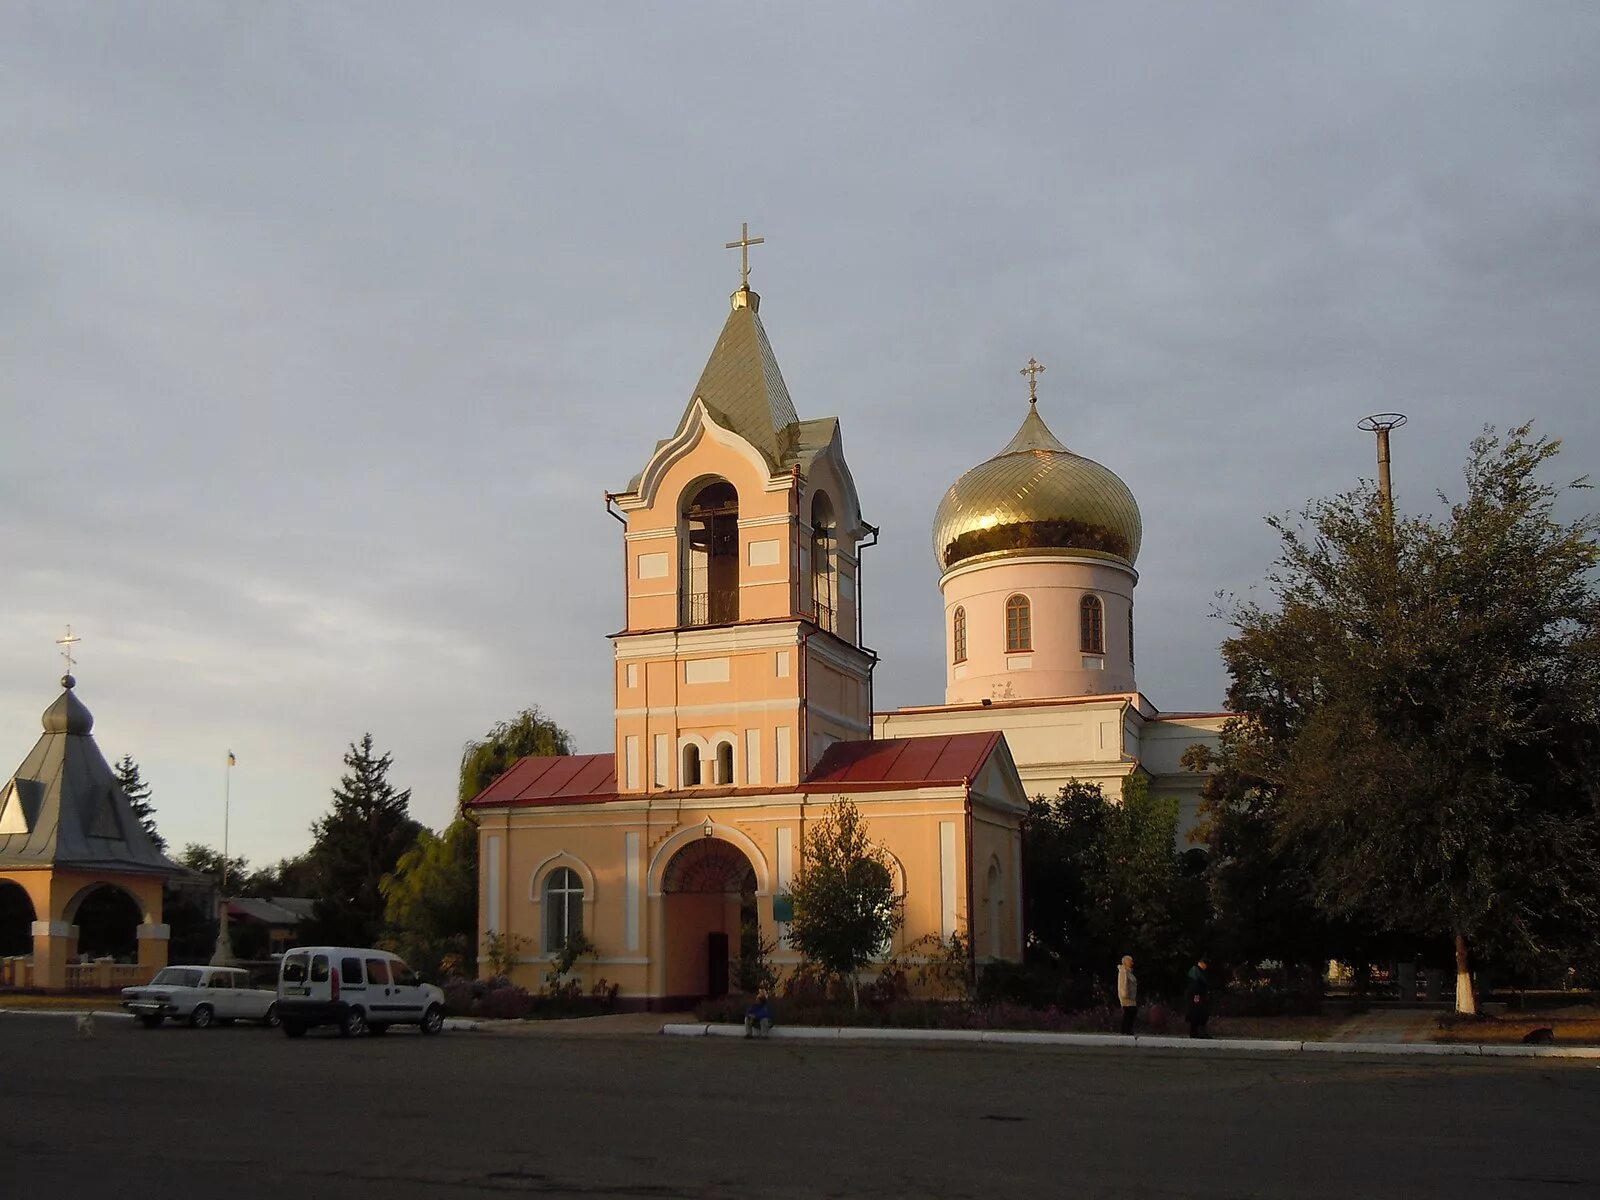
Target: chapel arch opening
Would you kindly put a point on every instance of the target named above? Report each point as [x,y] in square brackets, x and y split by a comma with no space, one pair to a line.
[708,893]
[709,572]
[108,920]
[17,916]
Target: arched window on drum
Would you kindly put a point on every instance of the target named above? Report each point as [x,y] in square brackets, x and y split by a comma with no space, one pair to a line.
[1092,625]
[1019,624]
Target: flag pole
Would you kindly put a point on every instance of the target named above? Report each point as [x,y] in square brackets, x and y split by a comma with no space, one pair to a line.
[223,954]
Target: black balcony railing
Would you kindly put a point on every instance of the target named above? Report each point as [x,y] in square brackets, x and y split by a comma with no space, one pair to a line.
[825,616]
[718,607]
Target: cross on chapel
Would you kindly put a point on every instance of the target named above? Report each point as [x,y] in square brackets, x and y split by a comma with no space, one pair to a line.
[66,644]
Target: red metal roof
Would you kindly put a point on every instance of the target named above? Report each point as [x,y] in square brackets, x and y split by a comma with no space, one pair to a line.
[945,761]
[554,779]
[951,759]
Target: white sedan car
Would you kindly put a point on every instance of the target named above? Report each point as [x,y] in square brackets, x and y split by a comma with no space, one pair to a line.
[202,996]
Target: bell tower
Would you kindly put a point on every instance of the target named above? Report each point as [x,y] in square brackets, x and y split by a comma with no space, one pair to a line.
[740,661]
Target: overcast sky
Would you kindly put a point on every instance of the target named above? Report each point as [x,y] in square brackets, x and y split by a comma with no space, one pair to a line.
[323,328]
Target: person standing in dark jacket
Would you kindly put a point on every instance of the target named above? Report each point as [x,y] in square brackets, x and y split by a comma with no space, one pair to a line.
[1199,991]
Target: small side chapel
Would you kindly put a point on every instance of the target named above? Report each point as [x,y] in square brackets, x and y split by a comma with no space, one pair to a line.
[743,709]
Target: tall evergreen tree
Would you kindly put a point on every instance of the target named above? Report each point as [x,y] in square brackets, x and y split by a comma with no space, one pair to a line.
[138,793]
[357,844]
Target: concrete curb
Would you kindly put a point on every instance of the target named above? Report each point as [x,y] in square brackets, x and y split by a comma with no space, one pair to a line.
[1100,1040]
[454,1024]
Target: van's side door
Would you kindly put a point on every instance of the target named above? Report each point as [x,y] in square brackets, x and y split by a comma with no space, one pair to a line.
[407,992]
[385,1004]
[353,982]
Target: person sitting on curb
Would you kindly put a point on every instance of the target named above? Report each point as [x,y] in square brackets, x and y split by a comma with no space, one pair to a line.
[758,1017]
[1127,994]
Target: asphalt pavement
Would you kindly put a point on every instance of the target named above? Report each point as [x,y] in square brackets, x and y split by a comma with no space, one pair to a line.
[245,1113]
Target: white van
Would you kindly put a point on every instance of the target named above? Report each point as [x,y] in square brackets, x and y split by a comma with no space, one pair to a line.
[360,991]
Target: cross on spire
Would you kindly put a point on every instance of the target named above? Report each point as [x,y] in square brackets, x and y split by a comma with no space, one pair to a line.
[1033,371]
[66,644]
[743,245]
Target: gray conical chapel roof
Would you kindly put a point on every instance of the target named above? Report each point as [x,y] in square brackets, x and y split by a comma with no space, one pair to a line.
[63,807]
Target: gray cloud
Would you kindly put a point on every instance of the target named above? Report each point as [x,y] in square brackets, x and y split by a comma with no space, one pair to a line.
[323,330]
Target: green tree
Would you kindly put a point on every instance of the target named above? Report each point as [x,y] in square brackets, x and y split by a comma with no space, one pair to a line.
[295,876]
[483,760]
[846,909]
[138,793]
[431,900]
[207,860]
[1423,695]
[356,844]
[1105,879]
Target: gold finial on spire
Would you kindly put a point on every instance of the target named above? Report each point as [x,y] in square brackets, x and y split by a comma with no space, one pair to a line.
[743,246]
[66,644]
[1032,371]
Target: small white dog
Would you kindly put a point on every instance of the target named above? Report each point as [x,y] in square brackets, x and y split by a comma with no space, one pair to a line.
[85,1024]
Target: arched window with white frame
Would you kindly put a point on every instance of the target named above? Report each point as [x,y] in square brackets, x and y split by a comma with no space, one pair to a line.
[1019,624]
[689,776]
[724,763]
[563,908]
[1092,625]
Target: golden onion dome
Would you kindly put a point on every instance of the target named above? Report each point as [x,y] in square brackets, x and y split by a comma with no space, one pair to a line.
[1037,495]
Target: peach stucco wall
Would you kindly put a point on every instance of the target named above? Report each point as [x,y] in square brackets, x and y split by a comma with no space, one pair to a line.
[55,896]
[1056,665]
[655,945]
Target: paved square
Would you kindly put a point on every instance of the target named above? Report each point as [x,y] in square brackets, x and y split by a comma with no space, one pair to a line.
[246,1113]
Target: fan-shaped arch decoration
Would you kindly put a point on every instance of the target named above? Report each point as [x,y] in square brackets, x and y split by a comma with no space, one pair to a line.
[709,866]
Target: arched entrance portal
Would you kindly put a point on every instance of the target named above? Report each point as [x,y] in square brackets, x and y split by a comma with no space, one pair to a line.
[16,920]
[108,924]
[709,893]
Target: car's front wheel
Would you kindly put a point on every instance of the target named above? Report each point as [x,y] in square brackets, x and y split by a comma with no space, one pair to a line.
[150,1020]
[353,1023]
[270,1017]
[433,1020]
[201,1017]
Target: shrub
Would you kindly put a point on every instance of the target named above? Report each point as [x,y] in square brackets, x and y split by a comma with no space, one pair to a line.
[506,1003]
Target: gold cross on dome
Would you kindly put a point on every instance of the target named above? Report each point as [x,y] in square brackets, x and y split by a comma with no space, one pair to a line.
[743,245]
[1033,371]
[66,644]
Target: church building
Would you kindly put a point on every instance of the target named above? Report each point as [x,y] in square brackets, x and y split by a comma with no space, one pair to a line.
[743,710]
[744,697]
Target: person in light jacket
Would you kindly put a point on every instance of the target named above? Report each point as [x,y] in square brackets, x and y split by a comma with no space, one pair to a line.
[1127,993]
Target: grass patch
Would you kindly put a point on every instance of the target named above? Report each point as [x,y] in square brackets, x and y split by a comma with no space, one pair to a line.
[1577,1025]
